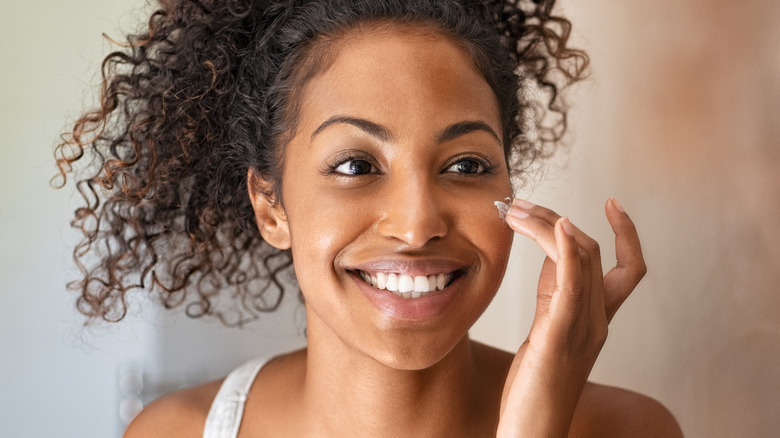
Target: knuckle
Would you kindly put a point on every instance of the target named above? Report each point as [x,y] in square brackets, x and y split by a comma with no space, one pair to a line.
[577,291]
[639,271]
[593,248]
[642,271]
[600,335]
[573,292]
[584,255]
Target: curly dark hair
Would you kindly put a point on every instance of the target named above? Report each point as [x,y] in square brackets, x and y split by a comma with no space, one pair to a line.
[190,104]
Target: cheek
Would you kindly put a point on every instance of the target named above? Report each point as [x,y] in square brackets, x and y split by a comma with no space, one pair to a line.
[492,234]
[320,227]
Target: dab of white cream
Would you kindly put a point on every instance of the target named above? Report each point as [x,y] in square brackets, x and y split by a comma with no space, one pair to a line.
[503,207]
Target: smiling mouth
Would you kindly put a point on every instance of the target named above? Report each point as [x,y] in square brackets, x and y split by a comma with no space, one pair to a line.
[405,285]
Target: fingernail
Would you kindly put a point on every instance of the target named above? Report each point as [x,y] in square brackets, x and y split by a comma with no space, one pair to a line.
[567,226]
[617,205]
[522,203]
[519,214]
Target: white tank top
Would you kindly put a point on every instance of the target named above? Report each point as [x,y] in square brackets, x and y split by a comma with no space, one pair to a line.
[226,411]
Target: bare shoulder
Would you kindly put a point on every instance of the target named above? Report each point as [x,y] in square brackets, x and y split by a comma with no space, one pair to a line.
[180,414]
[605,411]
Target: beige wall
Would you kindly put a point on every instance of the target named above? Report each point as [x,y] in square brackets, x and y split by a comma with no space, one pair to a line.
[681,122]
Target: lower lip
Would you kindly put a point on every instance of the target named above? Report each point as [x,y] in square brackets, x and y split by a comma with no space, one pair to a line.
[427,307]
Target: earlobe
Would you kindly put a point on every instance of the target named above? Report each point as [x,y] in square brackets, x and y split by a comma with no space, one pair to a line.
[269,214]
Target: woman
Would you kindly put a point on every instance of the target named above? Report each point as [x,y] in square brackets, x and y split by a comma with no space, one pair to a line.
[365,143]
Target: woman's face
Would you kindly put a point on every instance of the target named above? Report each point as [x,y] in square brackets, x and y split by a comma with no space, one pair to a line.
[388,189]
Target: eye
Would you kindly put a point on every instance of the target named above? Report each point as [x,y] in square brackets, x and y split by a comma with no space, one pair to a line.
[471,164]
[350,163]
[467,166]
[354,167]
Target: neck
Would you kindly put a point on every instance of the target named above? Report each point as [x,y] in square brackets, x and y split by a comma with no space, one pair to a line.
[351,393]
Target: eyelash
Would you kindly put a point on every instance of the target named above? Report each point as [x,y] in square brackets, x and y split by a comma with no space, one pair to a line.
[487,166]
[330,169]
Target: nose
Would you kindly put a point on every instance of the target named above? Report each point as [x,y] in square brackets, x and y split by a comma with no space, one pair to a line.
[413,213]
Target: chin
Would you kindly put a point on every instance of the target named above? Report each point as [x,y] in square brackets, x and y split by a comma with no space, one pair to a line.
[415,355]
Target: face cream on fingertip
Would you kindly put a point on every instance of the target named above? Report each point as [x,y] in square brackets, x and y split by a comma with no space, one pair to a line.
[503,207]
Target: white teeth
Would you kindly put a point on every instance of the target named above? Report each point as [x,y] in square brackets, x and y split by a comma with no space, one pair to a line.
[421,283]
[392,283]
[442,280]
[405,285]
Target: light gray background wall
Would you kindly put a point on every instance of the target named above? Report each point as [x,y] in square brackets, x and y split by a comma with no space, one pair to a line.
[55,378]
[679,121]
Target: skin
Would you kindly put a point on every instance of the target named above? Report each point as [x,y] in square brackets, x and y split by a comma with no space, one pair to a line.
[421,200]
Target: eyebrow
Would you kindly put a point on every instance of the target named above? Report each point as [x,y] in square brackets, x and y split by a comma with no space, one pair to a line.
[449,133]
[366,126]
[462,128]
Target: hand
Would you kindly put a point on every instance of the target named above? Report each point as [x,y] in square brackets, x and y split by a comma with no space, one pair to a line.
[574,304]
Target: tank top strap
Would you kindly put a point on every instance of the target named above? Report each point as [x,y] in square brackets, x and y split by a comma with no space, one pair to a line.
[226,411]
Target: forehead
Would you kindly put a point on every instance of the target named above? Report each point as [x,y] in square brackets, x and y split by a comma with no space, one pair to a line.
[395,72]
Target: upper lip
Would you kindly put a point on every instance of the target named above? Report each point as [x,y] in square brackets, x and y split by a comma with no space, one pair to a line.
[410,266]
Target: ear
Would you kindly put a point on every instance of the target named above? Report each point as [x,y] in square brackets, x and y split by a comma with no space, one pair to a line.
[269,214]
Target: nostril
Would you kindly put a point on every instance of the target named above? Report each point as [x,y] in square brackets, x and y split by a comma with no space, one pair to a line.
[414,227]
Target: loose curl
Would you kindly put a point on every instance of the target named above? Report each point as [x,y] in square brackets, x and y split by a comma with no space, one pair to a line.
[208,92]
